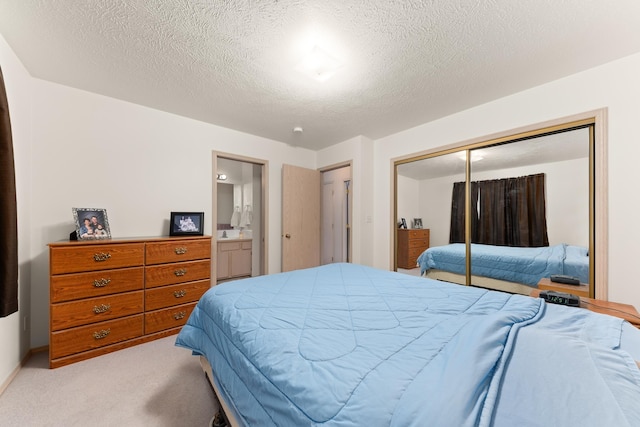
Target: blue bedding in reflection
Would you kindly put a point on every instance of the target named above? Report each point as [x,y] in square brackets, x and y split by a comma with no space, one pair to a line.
[520,265]
[345,344]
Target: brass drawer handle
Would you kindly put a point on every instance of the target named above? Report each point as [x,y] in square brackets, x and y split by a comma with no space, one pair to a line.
[101,283]
[181,250]
[97,309]
[180,272]
[180,315]
[180,293]
[101,334]
[101,256]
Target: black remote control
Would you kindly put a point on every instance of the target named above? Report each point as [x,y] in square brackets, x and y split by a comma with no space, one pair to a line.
[562,278]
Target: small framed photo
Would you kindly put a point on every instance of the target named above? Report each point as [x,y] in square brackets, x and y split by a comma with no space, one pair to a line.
[91,223]
[402,223]
[417,222]
[186,224]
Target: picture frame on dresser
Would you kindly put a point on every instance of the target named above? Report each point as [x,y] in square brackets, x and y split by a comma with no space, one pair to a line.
[91,223]
[186,224]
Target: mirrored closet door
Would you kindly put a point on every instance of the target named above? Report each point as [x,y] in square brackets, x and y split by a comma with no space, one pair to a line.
[504,214]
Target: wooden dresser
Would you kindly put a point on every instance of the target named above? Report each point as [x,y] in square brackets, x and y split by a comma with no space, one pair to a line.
[411,243]
[111,294]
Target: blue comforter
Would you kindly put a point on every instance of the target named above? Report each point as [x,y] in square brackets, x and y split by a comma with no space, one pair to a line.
[351,345]
[520,265]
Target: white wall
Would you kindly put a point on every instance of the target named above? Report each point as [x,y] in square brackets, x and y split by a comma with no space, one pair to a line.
[14,340]
[409,197]
[138,163]
[614,85]
[435,207]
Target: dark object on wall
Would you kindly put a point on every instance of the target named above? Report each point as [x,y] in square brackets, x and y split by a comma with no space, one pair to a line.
[8,213]
[186,224]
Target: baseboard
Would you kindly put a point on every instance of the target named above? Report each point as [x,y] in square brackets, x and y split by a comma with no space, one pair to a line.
[24,360]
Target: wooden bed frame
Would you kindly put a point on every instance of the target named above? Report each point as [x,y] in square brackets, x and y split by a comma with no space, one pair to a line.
[480,281]
[225,409]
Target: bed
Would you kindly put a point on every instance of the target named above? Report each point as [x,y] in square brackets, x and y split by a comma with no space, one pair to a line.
[517,268]
[349,345]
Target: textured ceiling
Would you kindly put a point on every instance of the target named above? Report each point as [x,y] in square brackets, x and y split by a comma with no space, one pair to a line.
[232,63]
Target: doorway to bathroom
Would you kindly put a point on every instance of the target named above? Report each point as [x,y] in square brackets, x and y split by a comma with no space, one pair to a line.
[239,216]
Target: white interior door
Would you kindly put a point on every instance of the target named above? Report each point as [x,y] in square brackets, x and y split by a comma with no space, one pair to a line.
[300,218]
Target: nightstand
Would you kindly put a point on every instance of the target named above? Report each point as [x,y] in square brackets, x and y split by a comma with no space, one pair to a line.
[616,309]
[581,290]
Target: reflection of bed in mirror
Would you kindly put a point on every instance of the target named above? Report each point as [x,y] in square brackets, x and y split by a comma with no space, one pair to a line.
[510,269]
[428,187]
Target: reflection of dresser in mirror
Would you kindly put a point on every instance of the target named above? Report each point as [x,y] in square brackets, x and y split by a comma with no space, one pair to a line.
[411,243]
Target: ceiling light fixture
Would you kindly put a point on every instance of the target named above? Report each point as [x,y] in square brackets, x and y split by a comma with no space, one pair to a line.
[475,157]
[318,65]
[297,129]
[222,177]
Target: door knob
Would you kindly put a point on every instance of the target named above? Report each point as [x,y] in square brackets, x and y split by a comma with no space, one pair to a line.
[288,236]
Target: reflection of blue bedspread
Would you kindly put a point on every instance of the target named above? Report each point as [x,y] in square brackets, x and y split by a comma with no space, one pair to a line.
[351,345]
[521,265]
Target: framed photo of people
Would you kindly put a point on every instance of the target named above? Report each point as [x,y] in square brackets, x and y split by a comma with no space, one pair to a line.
[186,224]
[91,223]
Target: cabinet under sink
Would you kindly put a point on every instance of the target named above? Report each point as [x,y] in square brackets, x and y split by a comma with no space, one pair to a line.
[234,259]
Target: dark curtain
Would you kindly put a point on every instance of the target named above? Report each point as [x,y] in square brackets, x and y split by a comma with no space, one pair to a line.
[8,213]
[456,230]
[492,228]
[527,218]
[505,212]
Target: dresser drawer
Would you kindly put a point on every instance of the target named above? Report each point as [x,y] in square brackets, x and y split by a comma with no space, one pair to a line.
[168,296]
[176,251]
[68,287]
[92,257]
[90,310]
[93,336]
[413,254]
[179,272]
[418,243]
[418,234]
[172,317]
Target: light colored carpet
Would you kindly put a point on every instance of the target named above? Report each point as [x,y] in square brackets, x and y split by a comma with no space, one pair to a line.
[411,272]
[153,384]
